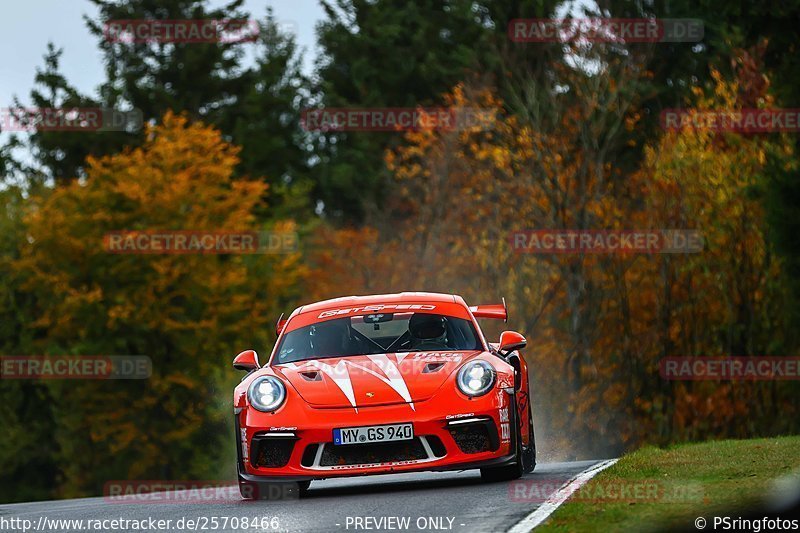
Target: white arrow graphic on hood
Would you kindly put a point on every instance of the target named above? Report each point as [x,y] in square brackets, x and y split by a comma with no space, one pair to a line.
[340,375]
[395,381]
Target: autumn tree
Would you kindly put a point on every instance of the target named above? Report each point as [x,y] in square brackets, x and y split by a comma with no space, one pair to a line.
[597,324]
[188,313]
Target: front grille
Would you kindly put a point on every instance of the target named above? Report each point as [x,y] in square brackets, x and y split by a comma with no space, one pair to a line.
[383,452]
[475,437]
[271,452]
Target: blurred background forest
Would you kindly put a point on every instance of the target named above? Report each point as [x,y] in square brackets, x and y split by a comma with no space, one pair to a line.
[577,145]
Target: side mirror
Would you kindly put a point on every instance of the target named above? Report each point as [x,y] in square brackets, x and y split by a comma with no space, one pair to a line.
[247,360]
[510,341]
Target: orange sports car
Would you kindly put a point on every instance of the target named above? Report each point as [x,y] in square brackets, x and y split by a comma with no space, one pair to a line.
[382,384]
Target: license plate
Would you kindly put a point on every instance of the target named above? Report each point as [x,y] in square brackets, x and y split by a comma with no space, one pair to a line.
[367,434]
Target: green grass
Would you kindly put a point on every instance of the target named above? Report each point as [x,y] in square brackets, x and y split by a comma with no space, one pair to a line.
[692,479]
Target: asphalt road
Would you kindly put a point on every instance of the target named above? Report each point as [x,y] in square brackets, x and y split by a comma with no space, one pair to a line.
[456,501]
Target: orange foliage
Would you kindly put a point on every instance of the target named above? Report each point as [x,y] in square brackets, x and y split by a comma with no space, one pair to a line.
[188,313]
[597,324]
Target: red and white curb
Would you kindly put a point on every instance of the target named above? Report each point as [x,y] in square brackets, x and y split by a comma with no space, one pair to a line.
[541,513]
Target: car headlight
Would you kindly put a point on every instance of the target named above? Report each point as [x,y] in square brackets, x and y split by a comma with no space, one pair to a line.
[266,393]
[476,378]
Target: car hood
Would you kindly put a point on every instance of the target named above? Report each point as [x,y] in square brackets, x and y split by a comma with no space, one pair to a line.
[369,380]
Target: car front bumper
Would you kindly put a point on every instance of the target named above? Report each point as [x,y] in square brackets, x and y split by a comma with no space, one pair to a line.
[451,432]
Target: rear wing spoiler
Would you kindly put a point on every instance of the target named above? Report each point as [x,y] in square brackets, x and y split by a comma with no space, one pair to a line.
[495,311]
[279,325]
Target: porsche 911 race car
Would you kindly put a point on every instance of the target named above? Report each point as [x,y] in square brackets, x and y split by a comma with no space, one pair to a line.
[382,384]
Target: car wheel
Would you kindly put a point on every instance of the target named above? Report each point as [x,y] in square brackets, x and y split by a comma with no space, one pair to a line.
[503,473]
[529,451]
[508,472]
[273,490]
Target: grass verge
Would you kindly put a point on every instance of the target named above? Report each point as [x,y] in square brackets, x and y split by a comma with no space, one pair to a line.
[655,488]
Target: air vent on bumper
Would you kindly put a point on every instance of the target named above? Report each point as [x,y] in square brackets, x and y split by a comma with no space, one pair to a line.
[272,449]
[474,435]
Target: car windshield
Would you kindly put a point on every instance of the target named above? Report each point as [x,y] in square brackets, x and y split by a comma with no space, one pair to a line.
[376,334]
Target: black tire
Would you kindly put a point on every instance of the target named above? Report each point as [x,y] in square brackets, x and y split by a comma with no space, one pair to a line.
[511,471]
[273,490]
[529,451]
[502,473]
